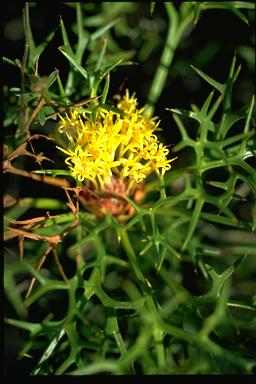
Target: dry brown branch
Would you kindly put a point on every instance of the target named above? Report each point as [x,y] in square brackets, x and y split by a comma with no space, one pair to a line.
[21,131]
[61,270]
[39,265]
[57,182]
[31,221]
[34,236]
[22,151]
[35,112]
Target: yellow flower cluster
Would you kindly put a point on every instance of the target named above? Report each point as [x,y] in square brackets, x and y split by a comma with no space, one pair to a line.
[113,145]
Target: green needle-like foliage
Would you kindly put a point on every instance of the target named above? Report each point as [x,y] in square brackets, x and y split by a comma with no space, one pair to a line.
[93,296]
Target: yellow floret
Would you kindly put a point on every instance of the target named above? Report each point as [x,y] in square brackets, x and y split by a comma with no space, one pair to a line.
[125,147]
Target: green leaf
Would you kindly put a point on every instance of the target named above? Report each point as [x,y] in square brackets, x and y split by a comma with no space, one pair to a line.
[232,76]
[13,294]
[206,104]
[249,115]
[96,368]
[101,56]
[53,172]
[105,90]
[152,5]
[82,35]
[67,46]
[41,47]
[27,96]
[241,16]
[101,31]
[52,77]
[228,4]
[180,125]
[215,107]
[18,210]
[225,221]
[52,230]
[41,116]
[197,11]
[49,350]
[107,301]
[44,203]
[36,51]
[111,67]
[186,113]
[6,60]
[48,286]
[231,6]
[48,110]
[193,223]
[227,121]
[74,62]
[112,329]
[33,328]
[215,84]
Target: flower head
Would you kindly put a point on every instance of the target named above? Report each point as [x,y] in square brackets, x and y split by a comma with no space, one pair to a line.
[113,146]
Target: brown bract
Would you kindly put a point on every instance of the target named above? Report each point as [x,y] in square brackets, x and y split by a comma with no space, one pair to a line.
[112,199]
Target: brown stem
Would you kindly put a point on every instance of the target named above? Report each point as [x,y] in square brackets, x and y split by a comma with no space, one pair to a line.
[39,265]
[35,112]
[45,179]
[22,130]
[61,270]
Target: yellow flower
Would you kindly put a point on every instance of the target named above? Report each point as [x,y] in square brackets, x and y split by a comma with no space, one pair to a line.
[114,152]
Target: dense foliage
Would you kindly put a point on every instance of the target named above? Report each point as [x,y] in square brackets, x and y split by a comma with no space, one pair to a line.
[170,289]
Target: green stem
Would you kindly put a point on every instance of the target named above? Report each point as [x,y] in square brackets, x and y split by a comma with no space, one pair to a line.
[131,256]
[61,88]
[151,307]
[48,352]
[69,83]
[175,29]
[193,223]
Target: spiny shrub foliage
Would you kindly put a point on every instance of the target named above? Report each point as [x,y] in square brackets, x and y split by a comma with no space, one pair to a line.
[170,288]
